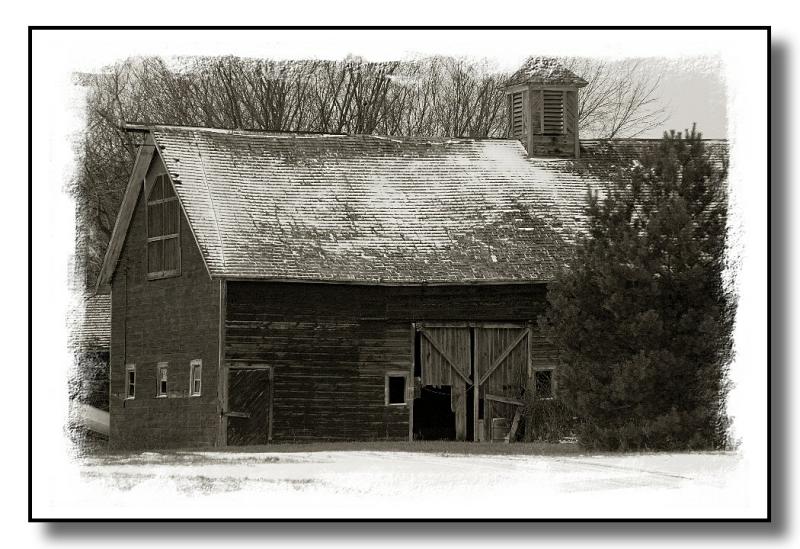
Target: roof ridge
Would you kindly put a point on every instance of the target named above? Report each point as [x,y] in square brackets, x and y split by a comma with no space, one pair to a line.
[140,127]
[147,127]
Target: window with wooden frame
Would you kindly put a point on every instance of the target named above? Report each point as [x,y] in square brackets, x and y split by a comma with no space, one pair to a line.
[130,381]
[396,388]
[543,383]
[195,377]
[553,112]
[161,379]
[163,230]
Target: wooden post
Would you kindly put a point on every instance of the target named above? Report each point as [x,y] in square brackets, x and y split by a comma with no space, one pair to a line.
[528,120]
[412,381]
[575,129]
[475,404]
[222,372]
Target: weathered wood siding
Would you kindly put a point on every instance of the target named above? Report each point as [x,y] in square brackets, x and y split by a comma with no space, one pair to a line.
[173,320]
[331,346]
[529,125]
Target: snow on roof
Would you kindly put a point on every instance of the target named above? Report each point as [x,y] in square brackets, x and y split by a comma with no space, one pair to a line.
[379,210]
[545,70]
[371,209]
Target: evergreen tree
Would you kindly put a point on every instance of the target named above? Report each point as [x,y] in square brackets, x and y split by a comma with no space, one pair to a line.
[642,318]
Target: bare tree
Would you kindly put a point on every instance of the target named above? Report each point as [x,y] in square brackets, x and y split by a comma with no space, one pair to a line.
[434,96]
[620,99]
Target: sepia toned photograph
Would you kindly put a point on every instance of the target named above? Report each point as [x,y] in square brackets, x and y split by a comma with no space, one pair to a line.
[401,274]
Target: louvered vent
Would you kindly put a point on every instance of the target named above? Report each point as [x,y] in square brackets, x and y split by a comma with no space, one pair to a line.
[517,121]
[553,116]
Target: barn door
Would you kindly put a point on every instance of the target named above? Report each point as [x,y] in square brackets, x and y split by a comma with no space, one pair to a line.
[501,374]
[249,406]
[446,361]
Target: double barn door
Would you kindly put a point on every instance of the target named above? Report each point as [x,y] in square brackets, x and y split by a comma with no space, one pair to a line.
[489,361]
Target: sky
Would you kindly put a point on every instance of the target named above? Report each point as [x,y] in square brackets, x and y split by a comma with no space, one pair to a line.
[690,64]
[695,91]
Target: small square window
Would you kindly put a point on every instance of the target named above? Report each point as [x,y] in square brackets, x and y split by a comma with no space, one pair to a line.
[195,377]
[161,378]
[543,380]
[396,389]
[130,381]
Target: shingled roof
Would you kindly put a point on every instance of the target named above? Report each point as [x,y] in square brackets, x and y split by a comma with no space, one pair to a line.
[378,210]
[371,209]
[91,326]
[545,70]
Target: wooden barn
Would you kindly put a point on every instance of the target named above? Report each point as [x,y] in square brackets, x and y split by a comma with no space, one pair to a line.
[294,287]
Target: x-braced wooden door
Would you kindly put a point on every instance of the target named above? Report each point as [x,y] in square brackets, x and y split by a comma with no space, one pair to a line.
[491,361]
[445,357]
[502,369]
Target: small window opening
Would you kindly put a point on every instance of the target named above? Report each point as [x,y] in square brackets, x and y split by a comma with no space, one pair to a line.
[396,389]
[544,383]
[196,377]
[130,381]
[162,379]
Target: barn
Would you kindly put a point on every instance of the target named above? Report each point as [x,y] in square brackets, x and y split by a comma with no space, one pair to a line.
[295,287]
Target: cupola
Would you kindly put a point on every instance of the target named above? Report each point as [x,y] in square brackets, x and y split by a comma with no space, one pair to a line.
[543,104]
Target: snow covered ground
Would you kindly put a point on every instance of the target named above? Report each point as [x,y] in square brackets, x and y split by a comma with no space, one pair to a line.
[403,484]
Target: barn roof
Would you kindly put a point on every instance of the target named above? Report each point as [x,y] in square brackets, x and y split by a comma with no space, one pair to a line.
[91,327]
[375,210]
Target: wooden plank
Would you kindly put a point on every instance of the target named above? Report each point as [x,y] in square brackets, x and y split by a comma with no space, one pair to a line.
[488,415]
[576,128]
[120,231]
[512,432]
[412,380]
[222,375]
[475,404]
[458,398]
[527,127]
[503,356]
[271,399]
[445,354]
[237,414]
[505,400]
[461,324]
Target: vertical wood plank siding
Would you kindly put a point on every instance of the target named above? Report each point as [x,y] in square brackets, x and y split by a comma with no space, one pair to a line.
[511,375]
[332,345]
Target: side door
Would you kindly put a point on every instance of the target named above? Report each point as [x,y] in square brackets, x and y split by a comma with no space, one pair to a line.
[249,411]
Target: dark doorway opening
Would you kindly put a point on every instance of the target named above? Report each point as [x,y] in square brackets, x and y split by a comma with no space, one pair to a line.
[433,417]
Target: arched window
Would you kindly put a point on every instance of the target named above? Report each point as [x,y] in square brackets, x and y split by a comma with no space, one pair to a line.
[163,230]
